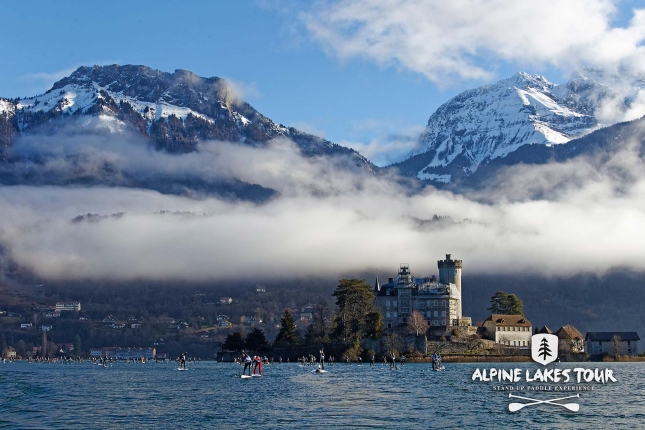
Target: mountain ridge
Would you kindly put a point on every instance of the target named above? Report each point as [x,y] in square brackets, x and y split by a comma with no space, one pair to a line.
[172,112]
[192,109]
[493,121]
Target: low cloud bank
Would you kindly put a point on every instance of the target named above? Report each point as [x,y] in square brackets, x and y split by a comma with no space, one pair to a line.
[581,216]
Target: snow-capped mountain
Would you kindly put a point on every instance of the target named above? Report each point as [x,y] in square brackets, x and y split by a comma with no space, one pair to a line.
[492,121]
[124,105]
[174,110]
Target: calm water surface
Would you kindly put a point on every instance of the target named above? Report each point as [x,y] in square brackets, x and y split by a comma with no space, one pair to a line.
[212,395]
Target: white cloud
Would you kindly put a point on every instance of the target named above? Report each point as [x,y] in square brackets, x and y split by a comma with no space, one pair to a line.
[389,142]
[327,221]
[467,39]
[243,90]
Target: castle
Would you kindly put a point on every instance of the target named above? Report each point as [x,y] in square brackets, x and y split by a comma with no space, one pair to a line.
[439,301]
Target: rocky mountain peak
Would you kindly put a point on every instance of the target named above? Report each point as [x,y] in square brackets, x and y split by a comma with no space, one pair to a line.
[492,121]
[173,110]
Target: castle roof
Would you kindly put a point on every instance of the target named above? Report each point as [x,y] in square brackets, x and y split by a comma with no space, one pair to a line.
[545,330]
[501,320]
[569,332]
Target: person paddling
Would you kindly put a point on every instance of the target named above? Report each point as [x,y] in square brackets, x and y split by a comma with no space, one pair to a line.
[322,359]
[247,363]
[258,365]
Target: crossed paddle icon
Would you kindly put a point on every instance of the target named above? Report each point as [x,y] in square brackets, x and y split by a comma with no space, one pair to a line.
[514,407]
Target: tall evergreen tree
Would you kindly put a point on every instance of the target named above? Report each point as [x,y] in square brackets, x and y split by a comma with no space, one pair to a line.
[77,345]
[256,340]
[3,344]
[234,341]
[288,334]
[506,304]
[357,316]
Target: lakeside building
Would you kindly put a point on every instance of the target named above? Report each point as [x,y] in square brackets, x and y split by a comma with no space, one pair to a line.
[124,353]
[509,330]
[10,353]
[68,307]
[226,300]
[438,300]
[570,340]
[612,343]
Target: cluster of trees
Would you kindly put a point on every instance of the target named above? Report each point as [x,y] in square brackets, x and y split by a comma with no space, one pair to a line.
[356,319]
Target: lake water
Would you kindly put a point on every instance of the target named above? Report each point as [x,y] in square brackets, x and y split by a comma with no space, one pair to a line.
[212,395]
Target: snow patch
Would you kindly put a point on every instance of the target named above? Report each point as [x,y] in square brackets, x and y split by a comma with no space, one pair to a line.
[434,177]
[6,107]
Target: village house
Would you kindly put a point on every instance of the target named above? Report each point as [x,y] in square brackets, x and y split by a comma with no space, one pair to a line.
[508,330]
[612,343]
[25,325]
[570,340]
[226,300]
[10,353]
[307,313]
[260,289]
[68,307]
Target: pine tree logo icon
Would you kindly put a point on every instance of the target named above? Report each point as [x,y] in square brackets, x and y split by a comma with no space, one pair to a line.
[544,348]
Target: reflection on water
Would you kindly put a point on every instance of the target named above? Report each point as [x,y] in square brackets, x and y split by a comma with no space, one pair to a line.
[212,395]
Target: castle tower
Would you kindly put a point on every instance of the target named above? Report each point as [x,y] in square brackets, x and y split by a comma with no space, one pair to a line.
[450,271]
[377,286]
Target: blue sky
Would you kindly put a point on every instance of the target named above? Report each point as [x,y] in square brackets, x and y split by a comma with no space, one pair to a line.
[278,52]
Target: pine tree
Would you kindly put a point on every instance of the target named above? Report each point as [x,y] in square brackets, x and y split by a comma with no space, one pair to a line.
[234,342]
[256,340]
[288,334]
[3,344]
[357,316]
[77,345]
[506,304]
[544,350]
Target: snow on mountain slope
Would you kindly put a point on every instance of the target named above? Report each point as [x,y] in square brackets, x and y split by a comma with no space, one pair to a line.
[173,110]
[492,121]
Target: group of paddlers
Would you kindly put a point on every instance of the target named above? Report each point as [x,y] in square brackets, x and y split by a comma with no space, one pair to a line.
[256,362]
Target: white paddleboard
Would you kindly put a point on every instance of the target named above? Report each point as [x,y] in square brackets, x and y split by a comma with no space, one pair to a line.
[181,368]
[256,376]
[319,371]
[246,376]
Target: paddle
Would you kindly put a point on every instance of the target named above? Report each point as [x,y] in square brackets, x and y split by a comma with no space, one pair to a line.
[514,407]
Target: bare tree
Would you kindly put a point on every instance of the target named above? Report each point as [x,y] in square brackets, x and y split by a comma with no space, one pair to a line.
[616,343]
[417,323]
[392,342]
